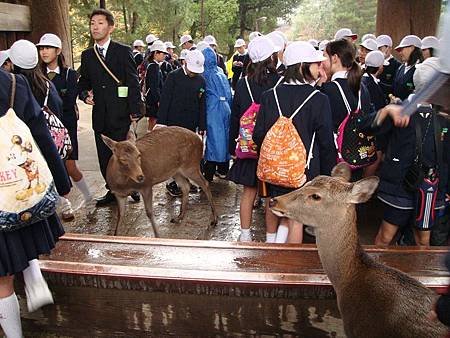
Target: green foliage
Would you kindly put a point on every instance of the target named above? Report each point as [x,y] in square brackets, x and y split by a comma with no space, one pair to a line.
[320,19]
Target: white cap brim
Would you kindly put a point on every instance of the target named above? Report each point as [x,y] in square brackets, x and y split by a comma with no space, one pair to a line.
[195,69]
[4,56]
[48,44]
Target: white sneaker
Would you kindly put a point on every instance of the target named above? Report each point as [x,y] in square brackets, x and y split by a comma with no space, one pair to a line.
[38,295]
[310,231]
[67,212]
[244,238]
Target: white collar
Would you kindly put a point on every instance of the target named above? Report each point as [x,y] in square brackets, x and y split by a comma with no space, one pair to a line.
[342,74]
[389,57]
[372,76]
[105,46]
[295,83]
[56,70]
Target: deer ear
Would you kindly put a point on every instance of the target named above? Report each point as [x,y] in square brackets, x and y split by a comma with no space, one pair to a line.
[342,170]
[363,190]
[131,136]
[110,143]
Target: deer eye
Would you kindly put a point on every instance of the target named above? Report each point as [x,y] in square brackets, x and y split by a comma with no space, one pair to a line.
[315,197]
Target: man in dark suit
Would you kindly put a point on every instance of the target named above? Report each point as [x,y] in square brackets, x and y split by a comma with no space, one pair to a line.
[115,105]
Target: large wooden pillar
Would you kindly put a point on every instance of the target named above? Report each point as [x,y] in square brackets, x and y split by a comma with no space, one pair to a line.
[398,18]
[50,16]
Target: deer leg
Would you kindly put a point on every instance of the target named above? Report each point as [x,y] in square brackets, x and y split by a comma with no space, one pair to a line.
[147,195]
[184,185]
[196,176]
[121,204]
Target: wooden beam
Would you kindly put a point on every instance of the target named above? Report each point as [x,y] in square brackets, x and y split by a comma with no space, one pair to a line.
[15,18]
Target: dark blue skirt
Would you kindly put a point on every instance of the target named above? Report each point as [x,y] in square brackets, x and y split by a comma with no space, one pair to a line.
[244,172]
[20,246]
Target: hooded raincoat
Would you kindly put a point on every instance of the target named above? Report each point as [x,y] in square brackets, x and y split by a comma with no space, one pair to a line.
[218,111]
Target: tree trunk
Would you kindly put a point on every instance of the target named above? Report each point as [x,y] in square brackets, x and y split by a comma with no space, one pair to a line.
[102,4]
[134,20]
[398,18]
[242,14]
[56,23]
[124,11]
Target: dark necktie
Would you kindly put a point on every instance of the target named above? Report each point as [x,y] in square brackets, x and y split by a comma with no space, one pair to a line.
[51,75]
[101,51]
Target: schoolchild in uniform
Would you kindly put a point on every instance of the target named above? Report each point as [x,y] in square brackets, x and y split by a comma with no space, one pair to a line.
[218,111]
[240,62]
[410,54]
[65,81]
[313,123]
[138,52]
[279,42]
[150,40]
[261,76]
[186,42]
[374,62]
[20,249]
[154,81]
[387,76]
[211,41]
[366,46]
[5,62]
[171,57]
[434,141]
[182,57]
[24,56]
[182,101]
[430,46]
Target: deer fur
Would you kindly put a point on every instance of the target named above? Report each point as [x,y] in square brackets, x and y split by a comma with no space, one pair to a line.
[137,165]
[374,300]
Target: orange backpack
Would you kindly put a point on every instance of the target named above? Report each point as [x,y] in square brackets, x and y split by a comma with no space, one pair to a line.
[282,159]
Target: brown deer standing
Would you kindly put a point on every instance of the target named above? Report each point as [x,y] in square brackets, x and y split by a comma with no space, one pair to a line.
[137,165]
[374,300]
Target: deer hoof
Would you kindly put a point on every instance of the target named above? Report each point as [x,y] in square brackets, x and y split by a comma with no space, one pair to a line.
[175,220]
[213,222]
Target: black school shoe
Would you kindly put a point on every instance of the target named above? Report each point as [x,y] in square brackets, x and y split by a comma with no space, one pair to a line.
[105,200]
[173,189]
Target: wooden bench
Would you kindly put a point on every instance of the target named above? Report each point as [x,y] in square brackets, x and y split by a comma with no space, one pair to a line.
[223,288]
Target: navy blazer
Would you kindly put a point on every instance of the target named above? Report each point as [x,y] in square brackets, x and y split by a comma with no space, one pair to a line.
[110,112]
[403,84]
[153,84]
[66,86]
[377,97]
[388,74]
[314,117]
[29,111]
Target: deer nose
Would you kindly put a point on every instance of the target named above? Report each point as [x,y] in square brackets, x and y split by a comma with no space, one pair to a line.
[273,202]
[141,178]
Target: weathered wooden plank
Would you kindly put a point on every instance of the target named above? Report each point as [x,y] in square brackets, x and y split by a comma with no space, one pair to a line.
[15,18]
[220,262]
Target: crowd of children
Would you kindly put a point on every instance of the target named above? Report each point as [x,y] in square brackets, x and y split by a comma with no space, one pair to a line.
[285,112]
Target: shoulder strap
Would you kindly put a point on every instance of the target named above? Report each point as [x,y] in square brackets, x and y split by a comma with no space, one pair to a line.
[46,95]
[105,66]
[248,88]
[310,153]
[344,98]
[13,91]
[67,74]
[303,103]
[437,139]
[276,100]
[279,81]
[418,142]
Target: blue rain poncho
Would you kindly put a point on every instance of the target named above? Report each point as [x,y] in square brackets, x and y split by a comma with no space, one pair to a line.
[218,111]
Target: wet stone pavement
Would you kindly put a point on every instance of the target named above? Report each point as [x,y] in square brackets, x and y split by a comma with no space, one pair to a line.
[195,224]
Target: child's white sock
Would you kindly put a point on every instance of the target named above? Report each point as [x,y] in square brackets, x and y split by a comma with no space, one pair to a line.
[245,235]
[10,316]
[33,272]
[83,187]
[36,288]
[282,234]
[271,237]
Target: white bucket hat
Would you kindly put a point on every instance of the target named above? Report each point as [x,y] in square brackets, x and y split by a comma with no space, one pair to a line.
[370,44]
[301,51]
[430,42]
[169,44]
[384,40]
[375,58]
[254,35]
[184,39]
[260,49]
[277,41]
[202,45]
[23,53]
[195,61]
[150,38]
[410,40]
[345,33]
[138,43]
[4,55]
[50,40]
[210,40]
[158,46]
[239,43]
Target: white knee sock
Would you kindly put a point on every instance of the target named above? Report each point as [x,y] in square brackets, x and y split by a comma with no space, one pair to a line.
[282,234]
[83,187]
[10,317]
[32,273]
[245,235]
[271,237]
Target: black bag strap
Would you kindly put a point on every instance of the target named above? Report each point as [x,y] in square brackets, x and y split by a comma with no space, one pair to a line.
[437,139]
[418,158]
[13,91]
